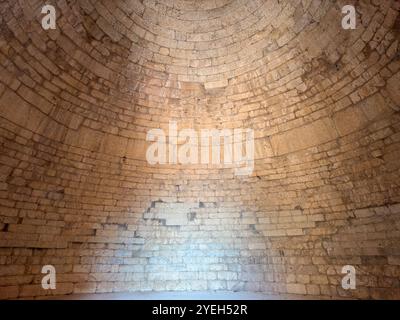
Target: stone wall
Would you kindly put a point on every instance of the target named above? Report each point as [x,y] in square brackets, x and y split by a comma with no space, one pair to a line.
[76,191]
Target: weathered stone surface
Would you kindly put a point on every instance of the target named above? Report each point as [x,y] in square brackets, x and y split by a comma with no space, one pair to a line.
[349,120]
[313,134]
[76,191]
[393,88]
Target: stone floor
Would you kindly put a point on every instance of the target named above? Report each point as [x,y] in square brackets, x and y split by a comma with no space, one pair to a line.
[184,296]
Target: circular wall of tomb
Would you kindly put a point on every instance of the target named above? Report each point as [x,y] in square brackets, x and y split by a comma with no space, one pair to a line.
[77,103]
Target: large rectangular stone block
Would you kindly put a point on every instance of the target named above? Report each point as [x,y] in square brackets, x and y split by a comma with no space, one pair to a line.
[312,134]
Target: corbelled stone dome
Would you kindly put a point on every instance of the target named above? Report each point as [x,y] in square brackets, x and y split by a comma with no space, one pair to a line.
[77,103]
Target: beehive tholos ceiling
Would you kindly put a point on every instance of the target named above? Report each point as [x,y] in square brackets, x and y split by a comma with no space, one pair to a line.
[76,189]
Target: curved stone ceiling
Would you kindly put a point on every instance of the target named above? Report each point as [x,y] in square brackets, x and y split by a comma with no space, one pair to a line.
[77,102]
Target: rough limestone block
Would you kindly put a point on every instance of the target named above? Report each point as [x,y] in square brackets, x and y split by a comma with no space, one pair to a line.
[350,120]
[316,133]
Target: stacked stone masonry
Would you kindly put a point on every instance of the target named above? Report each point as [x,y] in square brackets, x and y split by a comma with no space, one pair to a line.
[76,191]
